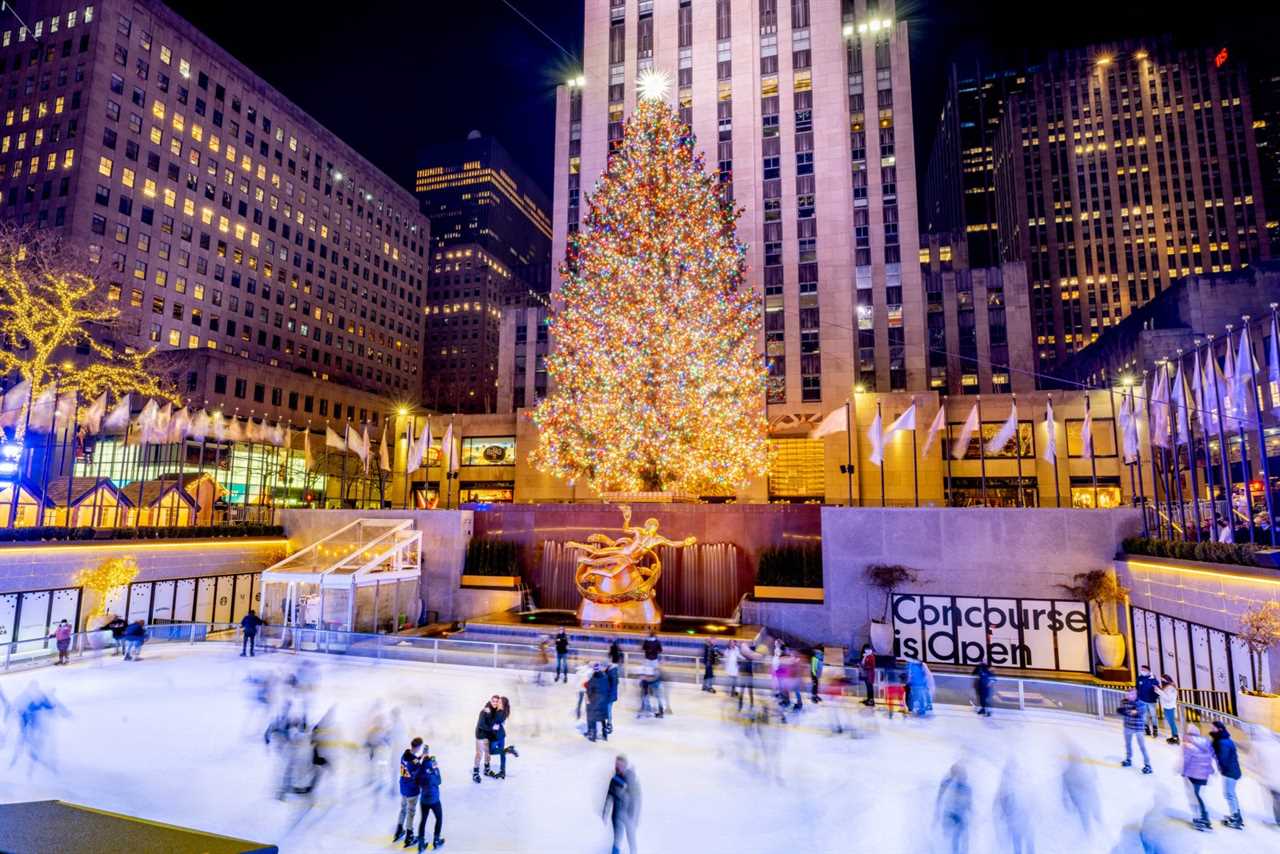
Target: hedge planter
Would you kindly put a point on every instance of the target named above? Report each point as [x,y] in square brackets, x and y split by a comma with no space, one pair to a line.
[492,582]
[789,594]
[1261,709]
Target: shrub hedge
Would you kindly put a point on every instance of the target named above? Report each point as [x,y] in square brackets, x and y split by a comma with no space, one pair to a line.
[1241,554]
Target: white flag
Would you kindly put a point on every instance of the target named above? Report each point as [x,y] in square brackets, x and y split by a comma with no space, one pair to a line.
[876,437]
[1246,370]
[11,406]
[384,461]
[1050,454]
[119,417]
[1178,401]
[199,426]
[65,411]
[40,417]
[1199,394]
[146,421]
[1220,391]
[308,459]
[939,421]
[357,445]
[420,448]
[1273,367]
[1159,408]
[905,421]
[961,445]
[1005,433]
[1086,431]
[179,425]
[1129,427]
[836,421]
[333,440]
[1230,403]
[234,431]
[449,459]
[93,414]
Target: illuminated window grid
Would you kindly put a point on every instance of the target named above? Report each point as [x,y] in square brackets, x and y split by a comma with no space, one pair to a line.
[797,467]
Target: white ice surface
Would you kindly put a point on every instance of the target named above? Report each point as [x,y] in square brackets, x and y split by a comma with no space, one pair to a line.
[175,738]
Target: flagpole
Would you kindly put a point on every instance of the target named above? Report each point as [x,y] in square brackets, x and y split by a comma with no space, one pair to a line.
[1057,481]
[1115,436]
[200,467]
[946,455]
[1246,471]
[1220,417]
[915,460]
[1262,439]
[48,455]
[71,458]
[848,438]
[880,420]
[346,442]
[18,477]
[1017,448]
[97,475]
[1093,455]
[1208,458]
[1137,462]
[982,450]
[408,451]
[1151,440]
[1191,451]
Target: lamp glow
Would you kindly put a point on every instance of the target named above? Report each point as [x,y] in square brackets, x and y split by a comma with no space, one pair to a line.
[653,85]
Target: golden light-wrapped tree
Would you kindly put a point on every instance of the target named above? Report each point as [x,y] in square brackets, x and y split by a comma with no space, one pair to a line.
[658,379]
[49,309]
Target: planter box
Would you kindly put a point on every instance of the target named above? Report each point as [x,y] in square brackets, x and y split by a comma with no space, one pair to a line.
[648,498]
[492,582]
[1259,710]
[790,594]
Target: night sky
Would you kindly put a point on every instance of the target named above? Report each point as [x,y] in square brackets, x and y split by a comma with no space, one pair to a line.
[391,77]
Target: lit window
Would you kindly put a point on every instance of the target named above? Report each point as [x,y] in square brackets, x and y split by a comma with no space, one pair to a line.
[157,109]
[193,342]
[104,165]
[166,55]
[184,68]
[126,176]
[58,103]
[175,338]
[149,188]
[68,158]
[170,197]
[197,132]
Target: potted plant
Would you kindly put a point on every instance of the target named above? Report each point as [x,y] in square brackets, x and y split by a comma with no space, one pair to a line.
[1260,631]
[887,577]
[1101,589]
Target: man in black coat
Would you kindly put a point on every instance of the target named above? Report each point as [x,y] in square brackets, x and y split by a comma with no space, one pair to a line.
[117,625]
[562,657]
[652,647]
[249,624]
[429,800]
[597,703]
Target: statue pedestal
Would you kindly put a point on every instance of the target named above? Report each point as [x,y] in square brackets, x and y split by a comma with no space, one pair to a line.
[644,614]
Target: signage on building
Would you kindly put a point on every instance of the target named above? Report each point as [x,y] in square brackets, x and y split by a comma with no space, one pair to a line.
[1030,634]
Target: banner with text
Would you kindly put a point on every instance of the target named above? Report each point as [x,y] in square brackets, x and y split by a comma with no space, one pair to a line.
[1032,634]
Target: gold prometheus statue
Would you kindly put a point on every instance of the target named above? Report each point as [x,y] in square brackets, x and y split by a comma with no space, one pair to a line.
[617,577]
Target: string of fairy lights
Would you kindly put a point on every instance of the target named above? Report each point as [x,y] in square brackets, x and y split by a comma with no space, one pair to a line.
[656,375]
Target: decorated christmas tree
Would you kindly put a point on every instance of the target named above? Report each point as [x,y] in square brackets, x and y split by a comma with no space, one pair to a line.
[658,380]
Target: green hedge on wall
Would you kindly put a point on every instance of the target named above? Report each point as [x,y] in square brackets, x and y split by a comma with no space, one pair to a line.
[1241,554]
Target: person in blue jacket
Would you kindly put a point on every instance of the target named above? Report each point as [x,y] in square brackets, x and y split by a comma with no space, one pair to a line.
[1148,701]
[1224,751]
[410,767]
[612,674]
[250,624]
[429,786]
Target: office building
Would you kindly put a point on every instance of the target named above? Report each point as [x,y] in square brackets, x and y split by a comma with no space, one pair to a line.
[490,250]
[1119,169]
[804,108]
[220,215]
[959,191]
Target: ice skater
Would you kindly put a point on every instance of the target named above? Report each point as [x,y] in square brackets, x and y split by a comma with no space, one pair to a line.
[116,625]
[1130,711]
[1014,811]
[954,807]
[709,656]
[134,636]
[249,626]
[62,637]
[410,766]
[34,711]
[816,662]
[1148,700]
[868,666]
[1080,791]
[377,748]
[429,802]
[1197,767]
[612,676]
[542,661]
[1168,695]
[597,691]
[623,797]
[562,657]
[983,679]
[1228,760]
[498,741]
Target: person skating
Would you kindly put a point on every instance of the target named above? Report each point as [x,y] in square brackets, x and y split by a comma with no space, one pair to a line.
[1197,767]
[623,797]
[1168,694]
[62,637]
[954,807]
[429,801]
[543,659]
[250,624]
[487,727]
[732,656]
[615,652]
[498,741]
[134,635]
[1228,759]
[612,675]
[868,665]
[562,657]
[117,625]
[597,703]
[816,662]
[1148,700]
[983,679]
[709,656]
[410,766]
[652,647]
[1131,712]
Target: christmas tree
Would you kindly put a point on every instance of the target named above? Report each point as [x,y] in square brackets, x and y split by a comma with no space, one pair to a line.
[658,380]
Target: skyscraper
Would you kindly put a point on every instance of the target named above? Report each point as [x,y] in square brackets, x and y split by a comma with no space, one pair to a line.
[220,215]
[1119,169]
[804,107]
[490,249]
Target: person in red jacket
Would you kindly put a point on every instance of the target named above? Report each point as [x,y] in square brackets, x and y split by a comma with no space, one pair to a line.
[869,674]
[62,635]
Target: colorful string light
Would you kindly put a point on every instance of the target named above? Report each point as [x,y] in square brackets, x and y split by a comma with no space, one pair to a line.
[658,379]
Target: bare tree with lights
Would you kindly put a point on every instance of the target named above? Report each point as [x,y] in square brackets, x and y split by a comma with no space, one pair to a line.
[658,378]
[51,312]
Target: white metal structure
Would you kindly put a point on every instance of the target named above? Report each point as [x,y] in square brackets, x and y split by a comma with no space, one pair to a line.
[363,577]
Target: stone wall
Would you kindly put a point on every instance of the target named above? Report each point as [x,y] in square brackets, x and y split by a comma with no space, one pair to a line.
[26,566]
[1008,553]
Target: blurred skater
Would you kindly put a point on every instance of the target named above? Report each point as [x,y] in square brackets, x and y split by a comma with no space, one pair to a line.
[429,801]
[377,747]
[562,657]
[615,652]
[983,679]
[816,662]
[1080,790]
[410,766]
[954,806]
[623,797]
[868,667]
[597,692]
[1197,767]
[134,636]
[612,676]
[1168,697]
[34,711]
[116,625]
[709,656]
[1130,711]
[1014,811]
[543,659]
[1228,761]
[1266,754]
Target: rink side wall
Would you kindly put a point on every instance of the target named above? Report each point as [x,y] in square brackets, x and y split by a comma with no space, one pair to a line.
[1006,553]
[27,567]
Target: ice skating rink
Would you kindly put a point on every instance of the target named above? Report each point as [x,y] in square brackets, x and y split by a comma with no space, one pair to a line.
[177,738]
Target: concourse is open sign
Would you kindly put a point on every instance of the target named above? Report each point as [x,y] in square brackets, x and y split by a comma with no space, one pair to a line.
[1032,634]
